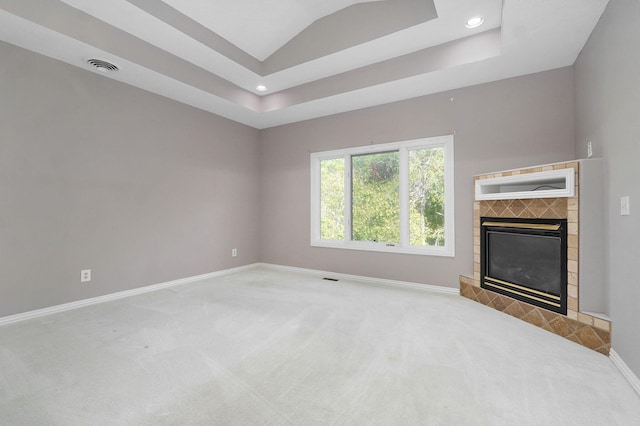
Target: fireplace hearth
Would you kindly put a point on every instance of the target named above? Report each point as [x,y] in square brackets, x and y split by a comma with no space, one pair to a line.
[526,259]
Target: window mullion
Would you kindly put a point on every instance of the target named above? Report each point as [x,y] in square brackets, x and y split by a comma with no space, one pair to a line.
[404,196]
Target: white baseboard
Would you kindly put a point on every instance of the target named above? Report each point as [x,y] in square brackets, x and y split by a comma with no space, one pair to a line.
[371,280]
[154,287]
[625,370]
[119,295]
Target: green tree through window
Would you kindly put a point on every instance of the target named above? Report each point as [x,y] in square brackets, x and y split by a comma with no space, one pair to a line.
[332,199]
[426,196]
[375,197]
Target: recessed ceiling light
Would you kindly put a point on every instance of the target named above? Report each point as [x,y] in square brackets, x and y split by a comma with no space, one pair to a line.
[261,87]
[474,22]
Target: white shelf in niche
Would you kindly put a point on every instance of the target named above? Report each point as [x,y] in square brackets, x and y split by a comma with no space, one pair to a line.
[548,184]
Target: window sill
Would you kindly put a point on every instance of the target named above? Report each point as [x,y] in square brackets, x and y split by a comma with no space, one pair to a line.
[383,247]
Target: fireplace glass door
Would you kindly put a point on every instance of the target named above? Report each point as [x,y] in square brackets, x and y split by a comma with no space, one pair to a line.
[526,260]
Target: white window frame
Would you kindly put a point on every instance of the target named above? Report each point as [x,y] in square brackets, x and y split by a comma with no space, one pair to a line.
[403,148]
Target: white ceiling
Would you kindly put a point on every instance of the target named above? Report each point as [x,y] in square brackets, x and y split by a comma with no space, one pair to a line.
[316,57]
[259,27]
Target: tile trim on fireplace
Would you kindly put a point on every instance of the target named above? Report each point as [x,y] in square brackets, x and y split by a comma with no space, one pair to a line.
[588,330]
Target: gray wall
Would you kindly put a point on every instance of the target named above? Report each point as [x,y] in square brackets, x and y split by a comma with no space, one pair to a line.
[96,174]
[508,124]
[607,80]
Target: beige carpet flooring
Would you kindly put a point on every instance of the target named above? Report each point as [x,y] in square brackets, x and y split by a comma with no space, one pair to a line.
[264,347]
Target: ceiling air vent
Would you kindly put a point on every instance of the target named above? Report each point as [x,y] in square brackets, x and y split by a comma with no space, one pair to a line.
[102,66]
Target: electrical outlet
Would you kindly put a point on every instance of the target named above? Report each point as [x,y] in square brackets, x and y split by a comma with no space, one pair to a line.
[85,275]
[589,149]
[625,208]
[234,252]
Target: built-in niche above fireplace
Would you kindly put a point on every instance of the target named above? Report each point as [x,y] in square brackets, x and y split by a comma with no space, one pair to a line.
[552,216]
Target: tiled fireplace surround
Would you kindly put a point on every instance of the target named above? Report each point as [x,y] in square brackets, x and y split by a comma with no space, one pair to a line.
[585,329]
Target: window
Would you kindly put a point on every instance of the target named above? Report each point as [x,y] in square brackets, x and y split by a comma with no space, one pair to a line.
[395,197]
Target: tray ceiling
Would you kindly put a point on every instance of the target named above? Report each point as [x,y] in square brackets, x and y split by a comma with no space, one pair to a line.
[259,27]
[315,57]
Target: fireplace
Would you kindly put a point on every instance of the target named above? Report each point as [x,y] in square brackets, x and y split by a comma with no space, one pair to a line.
[572,223]
[525,259]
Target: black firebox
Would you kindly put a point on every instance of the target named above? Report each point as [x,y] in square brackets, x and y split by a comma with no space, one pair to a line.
[525,259]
